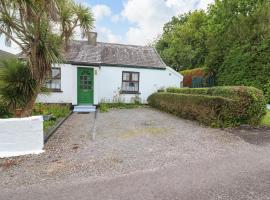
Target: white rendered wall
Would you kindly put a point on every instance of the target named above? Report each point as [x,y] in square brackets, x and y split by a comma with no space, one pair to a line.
[21,136]
[109,82]
[68,87]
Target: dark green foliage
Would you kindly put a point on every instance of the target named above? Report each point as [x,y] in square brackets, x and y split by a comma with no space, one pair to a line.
[182,45]
[247,65]
[217,106]
[4,111]
[239,43]
[232,41]
[17,85]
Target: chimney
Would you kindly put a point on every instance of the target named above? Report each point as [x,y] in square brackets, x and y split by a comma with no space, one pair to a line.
[92,38]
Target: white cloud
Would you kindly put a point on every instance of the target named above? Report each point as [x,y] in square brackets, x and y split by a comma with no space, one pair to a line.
[106,35]
[149,16]
[116,18]
[101,11]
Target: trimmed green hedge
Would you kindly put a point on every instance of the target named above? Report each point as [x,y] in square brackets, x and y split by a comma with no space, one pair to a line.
[217,106]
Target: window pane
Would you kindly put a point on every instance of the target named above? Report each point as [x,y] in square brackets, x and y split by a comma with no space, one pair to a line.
[53,84]
[125,76]
[135,77]
[130,86]
[56,73]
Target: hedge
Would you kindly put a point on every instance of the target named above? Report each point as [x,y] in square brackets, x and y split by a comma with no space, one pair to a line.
[217,106]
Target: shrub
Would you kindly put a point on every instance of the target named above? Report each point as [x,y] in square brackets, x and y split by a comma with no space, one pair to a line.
[217,106]
[4,111]
[17,85]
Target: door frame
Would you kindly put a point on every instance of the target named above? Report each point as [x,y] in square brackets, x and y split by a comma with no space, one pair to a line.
[78,85]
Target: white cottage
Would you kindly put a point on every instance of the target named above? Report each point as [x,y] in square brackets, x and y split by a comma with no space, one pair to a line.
[96,72]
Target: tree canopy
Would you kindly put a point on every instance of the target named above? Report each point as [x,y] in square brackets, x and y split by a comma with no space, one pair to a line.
[231,39]
[41,28]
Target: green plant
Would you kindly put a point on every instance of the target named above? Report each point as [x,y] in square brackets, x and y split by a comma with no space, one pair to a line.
[266,119]
[59,111]
[47,125]
[4,111]
[17,85]
[217,106]
[31,25]
[103,107]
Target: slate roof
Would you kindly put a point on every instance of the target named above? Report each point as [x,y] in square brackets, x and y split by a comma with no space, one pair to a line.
[80,52]
[4,55]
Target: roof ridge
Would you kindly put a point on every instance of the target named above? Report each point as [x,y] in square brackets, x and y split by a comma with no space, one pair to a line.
[115,43]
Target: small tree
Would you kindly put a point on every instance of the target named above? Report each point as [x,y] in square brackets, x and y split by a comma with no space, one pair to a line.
[17,85]
[42,28]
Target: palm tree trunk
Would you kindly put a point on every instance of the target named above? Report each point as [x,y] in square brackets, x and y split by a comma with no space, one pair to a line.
[39,77]
[27,110]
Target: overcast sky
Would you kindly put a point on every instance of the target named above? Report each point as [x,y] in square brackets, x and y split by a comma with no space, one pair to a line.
[132,21]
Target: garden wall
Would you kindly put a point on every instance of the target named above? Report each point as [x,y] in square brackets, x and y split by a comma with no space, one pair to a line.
[21,136]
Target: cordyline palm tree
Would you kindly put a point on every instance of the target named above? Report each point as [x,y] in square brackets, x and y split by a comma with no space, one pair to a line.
[42,28]
[17,85]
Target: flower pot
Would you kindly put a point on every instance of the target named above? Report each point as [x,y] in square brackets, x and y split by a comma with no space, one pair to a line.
[18,112]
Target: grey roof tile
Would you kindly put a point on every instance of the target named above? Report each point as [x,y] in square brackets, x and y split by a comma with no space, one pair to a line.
[113,54]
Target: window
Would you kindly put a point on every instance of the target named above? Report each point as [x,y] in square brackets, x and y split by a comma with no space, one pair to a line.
[85,82]
[53,81]
[130,82]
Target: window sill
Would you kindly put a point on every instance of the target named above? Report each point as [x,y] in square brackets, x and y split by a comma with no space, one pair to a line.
[129,92]
[55,90]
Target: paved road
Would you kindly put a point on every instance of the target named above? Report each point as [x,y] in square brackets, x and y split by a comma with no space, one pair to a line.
[237,179]
[142,154]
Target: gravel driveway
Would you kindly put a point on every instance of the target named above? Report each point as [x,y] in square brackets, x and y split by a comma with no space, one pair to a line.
[130,141]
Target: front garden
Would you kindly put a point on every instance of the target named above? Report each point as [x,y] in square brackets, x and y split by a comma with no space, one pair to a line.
[52,114]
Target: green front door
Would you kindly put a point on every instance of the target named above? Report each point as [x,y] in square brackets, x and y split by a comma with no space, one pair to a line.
[85,78]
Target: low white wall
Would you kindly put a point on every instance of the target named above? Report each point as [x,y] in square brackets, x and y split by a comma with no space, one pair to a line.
[21,136]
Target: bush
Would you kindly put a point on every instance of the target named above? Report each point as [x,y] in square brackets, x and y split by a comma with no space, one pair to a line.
[217,106]
[17,86]
[4,111]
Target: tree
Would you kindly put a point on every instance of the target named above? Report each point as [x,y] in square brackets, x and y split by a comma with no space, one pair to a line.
[32,25]
[243,56]
[182,44]
[17,86]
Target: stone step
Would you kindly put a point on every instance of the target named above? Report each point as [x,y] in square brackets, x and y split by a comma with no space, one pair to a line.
[84,108]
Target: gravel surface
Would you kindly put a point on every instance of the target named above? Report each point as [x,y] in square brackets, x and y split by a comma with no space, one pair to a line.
[128,141]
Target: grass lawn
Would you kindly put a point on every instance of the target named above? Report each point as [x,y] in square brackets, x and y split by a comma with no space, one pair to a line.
[58,111]
[266,119]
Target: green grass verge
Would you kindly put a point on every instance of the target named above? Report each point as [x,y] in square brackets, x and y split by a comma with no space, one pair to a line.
[59,111]
[266,119]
